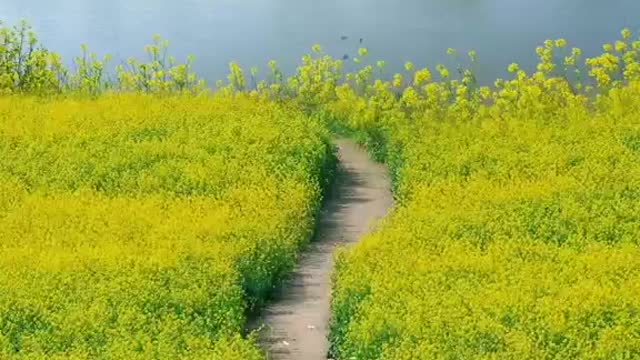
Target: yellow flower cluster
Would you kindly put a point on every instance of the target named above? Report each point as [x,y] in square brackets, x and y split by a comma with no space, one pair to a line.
[140,227]
[517,234]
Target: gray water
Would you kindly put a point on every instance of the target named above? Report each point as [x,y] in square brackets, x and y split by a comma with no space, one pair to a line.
[253,32]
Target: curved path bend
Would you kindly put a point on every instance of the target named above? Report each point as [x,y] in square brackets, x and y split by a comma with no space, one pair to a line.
[295,324]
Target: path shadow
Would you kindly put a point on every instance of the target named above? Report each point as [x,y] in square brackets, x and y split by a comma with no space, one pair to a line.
[358,195]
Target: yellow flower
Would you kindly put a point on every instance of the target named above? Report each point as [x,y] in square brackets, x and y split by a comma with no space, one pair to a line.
[107,226]
[408,66]
[473,56]
[397,80]
[421,76]
[444,72]
[576,52]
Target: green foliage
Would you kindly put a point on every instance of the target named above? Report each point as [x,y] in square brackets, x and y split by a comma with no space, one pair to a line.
[161,74]
[90,77]
[26,67]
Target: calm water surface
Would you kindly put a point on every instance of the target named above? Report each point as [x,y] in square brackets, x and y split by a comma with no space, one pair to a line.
[255,31]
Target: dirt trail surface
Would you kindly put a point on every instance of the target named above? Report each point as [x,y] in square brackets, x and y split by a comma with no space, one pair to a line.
[295,324]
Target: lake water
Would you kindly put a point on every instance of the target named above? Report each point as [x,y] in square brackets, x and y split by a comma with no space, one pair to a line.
[253,32]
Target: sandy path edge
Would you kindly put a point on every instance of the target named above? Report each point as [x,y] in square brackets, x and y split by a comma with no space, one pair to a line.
[294,325]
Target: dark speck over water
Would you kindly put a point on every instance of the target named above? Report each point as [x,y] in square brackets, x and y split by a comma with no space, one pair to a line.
[253,32]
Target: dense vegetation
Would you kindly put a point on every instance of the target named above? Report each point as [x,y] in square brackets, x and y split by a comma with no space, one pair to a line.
[135,227]
[518,230]
[515,235]
[518,237]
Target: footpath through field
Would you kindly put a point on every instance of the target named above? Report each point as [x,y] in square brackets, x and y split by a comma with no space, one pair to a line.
[295,324]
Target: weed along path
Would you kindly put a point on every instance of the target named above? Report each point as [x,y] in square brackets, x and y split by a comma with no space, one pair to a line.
[295,324]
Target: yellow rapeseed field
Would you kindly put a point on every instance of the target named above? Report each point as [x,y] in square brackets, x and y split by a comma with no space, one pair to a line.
[139,227]
[518,230]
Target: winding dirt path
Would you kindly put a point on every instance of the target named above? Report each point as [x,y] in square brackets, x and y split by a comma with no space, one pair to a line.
[294,325]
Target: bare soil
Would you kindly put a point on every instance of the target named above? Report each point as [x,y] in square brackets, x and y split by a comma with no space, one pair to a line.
[295,324]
